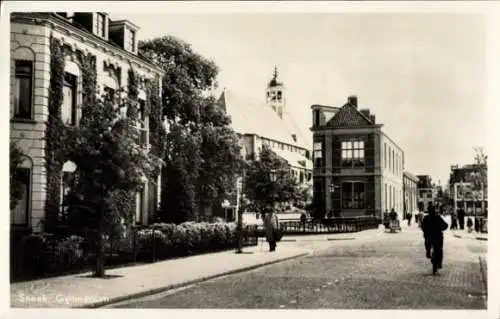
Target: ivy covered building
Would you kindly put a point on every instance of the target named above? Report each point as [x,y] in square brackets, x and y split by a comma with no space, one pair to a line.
[358,168]
[58,60]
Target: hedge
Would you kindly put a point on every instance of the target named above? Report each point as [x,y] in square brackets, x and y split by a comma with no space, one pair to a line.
[45,254]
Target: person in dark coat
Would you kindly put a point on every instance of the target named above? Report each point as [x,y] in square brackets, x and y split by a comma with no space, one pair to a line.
[454,224]
[271,227]
[461,218]
[433,226]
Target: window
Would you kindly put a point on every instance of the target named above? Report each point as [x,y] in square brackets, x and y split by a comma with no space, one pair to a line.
[139,205]
[279,95]
[385,193]
[67,182]
[130,40]
[353,195]
[385,155]
[19,215]
[142,124]
[23,89]
[100,25]
[353,153]
[69,105]
[318,153]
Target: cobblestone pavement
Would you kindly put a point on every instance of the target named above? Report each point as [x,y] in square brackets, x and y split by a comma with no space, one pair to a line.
[388,271]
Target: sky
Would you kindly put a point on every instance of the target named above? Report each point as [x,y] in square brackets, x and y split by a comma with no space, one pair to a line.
[422,74]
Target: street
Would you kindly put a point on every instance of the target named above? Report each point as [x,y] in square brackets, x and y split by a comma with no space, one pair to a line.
[387,271]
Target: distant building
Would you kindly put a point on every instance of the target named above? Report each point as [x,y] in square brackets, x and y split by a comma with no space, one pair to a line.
[358,169]
[427,192]
[410,183]
[113,46]
[268,122]
[463,192]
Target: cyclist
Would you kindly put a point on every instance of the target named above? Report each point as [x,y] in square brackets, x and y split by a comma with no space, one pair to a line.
[433,226]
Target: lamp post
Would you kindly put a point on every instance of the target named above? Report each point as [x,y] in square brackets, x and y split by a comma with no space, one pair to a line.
[239,226]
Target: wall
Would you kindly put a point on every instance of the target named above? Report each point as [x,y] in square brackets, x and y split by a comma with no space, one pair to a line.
[391,175]
[31,134]
[37,39]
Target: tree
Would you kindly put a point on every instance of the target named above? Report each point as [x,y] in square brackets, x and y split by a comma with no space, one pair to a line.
[16,187]
[202,156]
[220,154]
[108,159]
[259,186]
[479,177]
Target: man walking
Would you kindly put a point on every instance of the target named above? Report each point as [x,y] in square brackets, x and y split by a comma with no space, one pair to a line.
[461,218]
[433,226]
[271,226]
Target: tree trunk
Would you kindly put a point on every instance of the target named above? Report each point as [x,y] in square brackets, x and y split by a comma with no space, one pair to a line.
[99,265]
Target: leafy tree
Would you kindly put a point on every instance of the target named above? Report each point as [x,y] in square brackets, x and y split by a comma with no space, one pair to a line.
[108,160]
[220,153]
[202,154]
[16,190]
[479,177]
[259,186]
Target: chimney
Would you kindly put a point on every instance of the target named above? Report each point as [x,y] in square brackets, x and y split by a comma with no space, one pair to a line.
[294,136]
[353,100]
[372,118]
[365,112]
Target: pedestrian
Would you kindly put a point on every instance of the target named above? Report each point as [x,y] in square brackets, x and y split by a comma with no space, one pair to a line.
[433,226]
[386,219]
[461,218]
[454,225]
[271,226]
[303,219]
[469,224]
[393,215]
[409,216]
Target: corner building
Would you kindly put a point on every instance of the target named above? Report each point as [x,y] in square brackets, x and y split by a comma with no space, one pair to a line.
[358,169]
[113,47]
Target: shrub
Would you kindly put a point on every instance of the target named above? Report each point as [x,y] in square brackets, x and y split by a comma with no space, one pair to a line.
[44,253]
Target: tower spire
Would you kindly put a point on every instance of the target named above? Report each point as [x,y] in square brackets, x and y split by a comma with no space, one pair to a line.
[275,75]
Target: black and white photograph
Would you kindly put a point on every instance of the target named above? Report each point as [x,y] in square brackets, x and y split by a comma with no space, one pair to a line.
[243,155]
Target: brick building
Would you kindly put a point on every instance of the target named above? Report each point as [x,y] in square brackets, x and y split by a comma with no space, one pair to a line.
[358,169]
[113,45]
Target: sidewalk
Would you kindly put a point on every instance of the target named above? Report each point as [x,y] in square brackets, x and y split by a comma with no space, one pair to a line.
[84,291]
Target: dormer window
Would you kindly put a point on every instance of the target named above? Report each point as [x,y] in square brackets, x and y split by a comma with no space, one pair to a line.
[100,25]
[130,40]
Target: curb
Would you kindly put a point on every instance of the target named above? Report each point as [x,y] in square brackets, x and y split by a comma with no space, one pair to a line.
[476,237]
[183,284]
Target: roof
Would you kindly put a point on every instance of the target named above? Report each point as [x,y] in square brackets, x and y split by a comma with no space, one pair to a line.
[250,116]
[410,176]
[73,24]
[349,116]
[295,159]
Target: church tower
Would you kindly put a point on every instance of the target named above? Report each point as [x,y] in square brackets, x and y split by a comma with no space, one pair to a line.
[275,94]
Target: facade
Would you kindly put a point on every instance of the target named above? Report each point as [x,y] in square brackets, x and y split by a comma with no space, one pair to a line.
[410,183]
[268,123]
[427,192]
[113,45]
[358,169]
[470,199]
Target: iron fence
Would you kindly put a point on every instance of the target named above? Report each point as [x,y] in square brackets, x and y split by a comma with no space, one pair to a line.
[328,225]
[40,256]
